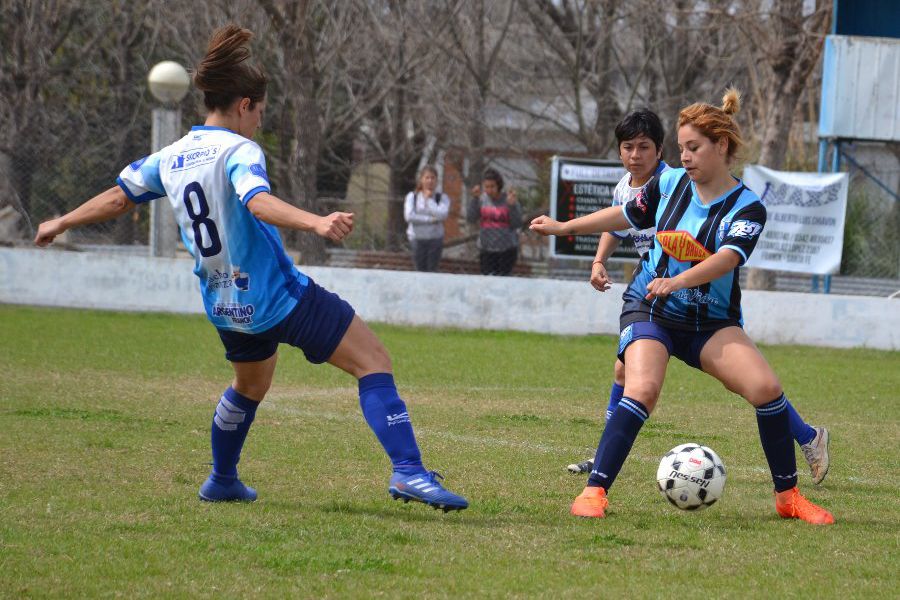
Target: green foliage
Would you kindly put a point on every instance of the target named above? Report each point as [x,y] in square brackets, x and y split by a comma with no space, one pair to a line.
[871,234]
[105,436]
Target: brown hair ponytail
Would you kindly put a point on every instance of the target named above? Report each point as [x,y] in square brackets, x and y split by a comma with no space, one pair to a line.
[714,122]
[224,75]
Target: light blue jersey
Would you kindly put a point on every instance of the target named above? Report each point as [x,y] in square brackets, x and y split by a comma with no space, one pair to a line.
[248,282]
[687,233]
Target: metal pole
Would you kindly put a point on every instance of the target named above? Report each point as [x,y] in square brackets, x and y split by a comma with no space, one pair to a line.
[163,229]
[835,168]
[823,161]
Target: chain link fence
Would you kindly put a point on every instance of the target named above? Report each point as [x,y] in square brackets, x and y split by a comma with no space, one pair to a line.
[55,177]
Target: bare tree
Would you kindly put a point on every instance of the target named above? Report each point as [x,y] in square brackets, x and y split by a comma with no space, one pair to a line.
[790,45]
[478,31]
[32,34]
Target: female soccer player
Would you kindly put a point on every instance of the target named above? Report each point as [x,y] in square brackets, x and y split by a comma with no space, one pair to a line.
[640,137]
[685,301]
[215,178]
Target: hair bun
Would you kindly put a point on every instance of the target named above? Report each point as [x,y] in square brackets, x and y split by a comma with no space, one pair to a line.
[731,101]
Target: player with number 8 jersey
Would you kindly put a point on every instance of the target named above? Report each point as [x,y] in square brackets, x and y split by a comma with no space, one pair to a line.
[215,179]
[209,176]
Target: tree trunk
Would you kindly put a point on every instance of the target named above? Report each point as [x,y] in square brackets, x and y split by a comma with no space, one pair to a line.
[792,63]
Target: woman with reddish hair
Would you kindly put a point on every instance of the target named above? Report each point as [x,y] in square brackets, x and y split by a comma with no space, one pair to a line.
[686,301]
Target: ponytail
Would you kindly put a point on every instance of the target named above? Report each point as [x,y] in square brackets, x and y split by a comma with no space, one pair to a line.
[225,75]
[715,122]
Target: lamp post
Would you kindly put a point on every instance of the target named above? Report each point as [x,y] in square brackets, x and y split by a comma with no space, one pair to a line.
[169,83]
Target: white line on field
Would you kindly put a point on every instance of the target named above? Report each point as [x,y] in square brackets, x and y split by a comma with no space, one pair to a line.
[570,452]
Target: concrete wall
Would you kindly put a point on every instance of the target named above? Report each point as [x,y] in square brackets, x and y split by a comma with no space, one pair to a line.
[105,281]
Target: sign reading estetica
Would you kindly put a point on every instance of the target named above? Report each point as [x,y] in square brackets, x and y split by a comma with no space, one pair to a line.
[804,230]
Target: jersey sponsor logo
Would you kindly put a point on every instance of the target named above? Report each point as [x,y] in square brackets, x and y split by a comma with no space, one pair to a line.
[745,229]
[220,280]
[195,157]
[137,164]
[695,296]
[259,171]
[682,246]
[640,202]
[241,280]
[643,240]
[239,314]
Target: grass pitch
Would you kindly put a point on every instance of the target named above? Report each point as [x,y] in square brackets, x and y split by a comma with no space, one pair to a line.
[104,433]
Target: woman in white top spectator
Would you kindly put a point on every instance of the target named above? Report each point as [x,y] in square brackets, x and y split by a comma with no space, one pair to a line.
[425,210]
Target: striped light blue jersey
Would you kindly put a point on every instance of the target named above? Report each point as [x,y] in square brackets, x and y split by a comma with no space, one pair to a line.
[248,282]
[623,193]
[688,232]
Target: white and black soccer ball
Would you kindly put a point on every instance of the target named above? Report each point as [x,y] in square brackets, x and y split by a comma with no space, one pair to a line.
[691,476]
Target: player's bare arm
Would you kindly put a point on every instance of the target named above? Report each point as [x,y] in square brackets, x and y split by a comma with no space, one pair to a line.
[720,263]
[274,211]
[608,219]
[103,207]
[599,277]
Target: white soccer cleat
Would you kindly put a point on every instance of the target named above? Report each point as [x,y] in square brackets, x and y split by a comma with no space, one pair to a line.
[816,454]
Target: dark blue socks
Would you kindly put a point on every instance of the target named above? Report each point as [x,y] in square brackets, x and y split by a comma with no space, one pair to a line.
[386,414]
[616,441]
[777,442]
[615,394]
[800,431]
[232,420]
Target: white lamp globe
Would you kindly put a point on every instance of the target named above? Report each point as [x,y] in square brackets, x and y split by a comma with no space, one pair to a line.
[169,82]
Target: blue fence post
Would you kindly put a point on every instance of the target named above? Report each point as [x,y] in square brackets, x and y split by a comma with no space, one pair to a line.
[823,161]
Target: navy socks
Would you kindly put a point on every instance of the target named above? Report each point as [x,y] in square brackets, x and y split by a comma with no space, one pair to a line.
[800,431]
[615,395]
[616,441]
[386,414]
[233,417]
[777,442]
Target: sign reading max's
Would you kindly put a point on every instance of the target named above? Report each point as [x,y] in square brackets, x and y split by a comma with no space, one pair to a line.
[805,214]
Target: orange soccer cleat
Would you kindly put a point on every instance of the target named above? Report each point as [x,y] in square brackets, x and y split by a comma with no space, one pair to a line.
[591,502]
[791,504]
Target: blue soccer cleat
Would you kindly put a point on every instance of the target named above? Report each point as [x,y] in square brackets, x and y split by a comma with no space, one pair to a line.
[230,491]
[424,487]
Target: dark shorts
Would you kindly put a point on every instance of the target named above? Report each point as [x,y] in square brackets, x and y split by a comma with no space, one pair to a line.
[316,325]
[684,345]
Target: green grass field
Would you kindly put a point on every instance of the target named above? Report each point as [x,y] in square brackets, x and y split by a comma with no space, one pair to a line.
[104,434]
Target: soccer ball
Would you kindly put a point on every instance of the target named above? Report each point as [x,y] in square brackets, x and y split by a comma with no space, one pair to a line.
[691,476]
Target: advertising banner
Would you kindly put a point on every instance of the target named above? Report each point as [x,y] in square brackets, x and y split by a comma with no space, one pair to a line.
[804,230]
[578,187]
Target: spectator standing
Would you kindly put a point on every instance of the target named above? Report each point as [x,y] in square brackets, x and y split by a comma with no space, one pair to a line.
[500,217]
[426,209]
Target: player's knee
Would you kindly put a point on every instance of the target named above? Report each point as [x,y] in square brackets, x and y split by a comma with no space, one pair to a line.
[255,390]
[619,372]
[764,391]
[381,359]
[645,392]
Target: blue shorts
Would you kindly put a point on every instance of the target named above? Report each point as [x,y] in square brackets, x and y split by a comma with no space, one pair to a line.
[316,325]
[685,345]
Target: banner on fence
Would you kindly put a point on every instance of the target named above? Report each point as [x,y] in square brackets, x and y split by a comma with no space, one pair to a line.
[578,187]
[804,230]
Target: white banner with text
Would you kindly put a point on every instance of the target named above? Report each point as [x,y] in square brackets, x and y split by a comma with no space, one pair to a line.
[805,220]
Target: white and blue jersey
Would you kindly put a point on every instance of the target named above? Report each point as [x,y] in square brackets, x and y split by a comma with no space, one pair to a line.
[623,194]
[248,282]
[688,232]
